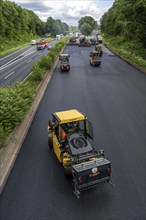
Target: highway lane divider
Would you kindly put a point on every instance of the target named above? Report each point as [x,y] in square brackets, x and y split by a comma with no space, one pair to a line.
[29,60]
[11,54]
[9,75]
[26,77]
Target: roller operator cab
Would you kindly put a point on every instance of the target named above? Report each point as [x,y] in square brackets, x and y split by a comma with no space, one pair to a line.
[64,62]
[99,38]
[93,41]
[94,58]
[68,134]
[98,48]
[83,42]
[72,41]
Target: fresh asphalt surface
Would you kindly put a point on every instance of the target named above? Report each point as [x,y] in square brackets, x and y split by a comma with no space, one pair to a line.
[113,98]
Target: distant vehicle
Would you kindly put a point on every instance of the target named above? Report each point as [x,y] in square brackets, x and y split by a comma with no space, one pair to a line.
[33,42]
[42,45]
[49,47]
[58,37]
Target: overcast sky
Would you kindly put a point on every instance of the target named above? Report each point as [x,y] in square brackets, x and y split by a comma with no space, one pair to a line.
[66,10]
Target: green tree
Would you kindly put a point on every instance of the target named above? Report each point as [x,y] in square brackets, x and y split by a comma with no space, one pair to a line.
[55,27]
[86,29]
[73,28]
[88,20]
[126,18]
[64,28]
[17,22]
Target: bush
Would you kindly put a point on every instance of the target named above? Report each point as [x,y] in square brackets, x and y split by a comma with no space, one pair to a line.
[39,68]
[56,49]
[14,103]
[37,73]
[59,44]
[45,63]
[52,54]
[3,136]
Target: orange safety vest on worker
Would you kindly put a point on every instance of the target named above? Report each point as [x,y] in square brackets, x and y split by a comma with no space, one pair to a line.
[63,137]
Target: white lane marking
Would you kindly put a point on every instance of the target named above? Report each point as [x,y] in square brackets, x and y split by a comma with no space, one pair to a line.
[26,77]
[9,75]
[29,61]
[4,66]
[10,54]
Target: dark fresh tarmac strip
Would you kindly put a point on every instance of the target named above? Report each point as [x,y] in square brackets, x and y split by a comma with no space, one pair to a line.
[113,98]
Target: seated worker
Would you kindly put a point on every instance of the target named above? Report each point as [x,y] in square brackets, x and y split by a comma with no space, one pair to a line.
[63,135]
[70,127]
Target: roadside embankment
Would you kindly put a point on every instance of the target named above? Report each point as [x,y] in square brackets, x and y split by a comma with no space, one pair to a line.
[142,69]
[131,52]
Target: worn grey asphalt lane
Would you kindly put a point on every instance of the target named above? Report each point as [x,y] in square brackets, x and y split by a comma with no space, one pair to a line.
[113,98]
[19,64]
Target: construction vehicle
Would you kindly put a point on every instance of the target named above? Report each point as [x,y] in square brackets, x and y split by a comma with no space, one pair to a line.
[99,38]
[64,62]
[93,41]
[94,58]
[72,41]
[83,42]
[98,48]
[68,134]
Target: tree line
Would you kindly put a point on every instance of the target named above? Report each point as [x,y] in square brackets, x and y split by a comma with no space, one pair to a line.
[16,21]
[126,18]
[55,27]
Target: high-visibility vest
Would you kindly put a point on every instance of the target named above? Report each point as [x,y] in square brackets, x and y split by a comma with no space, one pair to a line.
[63,137]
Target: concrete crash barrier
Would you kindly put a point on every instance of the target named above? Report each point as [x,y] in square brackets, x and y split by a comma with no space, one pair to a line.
[9,153]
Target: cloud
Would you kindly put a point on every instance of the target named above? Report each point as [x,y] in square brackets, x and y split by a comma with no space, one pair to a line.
[39,6]
[67,10]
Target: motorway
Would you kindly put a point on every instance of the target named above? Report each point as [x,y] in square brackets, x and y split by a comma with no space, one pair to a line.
[113,98]
[17,66]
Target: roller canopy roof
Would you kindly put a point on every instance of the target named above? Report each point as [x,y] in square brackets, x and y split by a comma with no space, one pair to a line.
[69,116]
